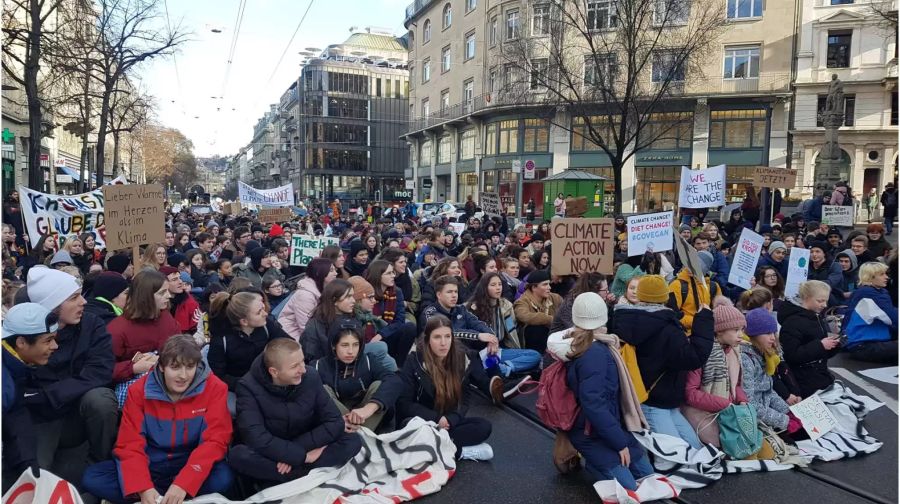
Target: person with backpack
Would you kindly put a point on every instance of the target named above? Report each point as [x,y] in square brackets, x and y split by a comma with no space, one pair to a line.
[609,407]
[689,292]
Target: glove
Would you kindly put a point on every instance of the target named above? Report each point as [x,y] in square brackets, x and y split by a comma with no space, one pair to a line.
[794,423]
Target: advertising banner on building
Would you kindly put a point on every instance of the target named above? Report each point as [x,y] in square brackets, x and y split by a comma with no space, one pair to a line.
[279,196]
[63,216]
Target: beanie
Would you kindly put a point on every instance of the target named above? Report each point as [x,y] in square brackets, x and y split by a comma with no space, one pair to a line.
[251,244]
[276,231]
[211,224]
[357,246]
[775,245]
[108,285]
[684,227]
[538,276]
[652,289]
[61,257]
[760,321]
[175,259]
[728,317]
[361,287]
[823,246]
[168,270]
[706,261]
[118,263]
[589,311]
[49,288]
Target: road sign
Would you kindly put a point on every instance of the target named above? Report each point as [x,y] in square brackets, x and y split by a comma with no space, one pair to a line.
[529,169]
[516,166]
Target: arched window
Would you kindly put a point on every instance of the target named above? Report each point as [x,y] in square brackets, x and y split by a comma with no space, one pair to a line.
[426,31]
[448,16]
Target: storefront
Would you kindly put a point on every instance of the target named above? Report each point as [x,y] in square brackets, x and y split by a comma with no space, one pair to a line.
[498,176]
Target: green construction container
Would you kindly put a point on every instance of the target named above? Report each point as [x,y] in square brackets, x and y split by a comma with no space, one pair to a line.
[577,183]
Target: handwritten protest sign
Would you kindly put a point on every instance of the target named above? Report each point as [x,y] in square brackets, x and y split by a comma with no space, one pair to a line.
[649,232]
[798,270]
[816,418]
[457,227]
[279,196]
[279,214]
[305,248]
[746,258]
[63,216]
[835,215]
[135,215]
[490,203]
[775,178]
[233,208]
[702,188]
[582,246]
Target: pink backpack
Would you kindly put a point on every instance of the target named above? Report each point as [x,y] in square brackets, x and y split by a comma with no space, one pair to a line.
[556,404]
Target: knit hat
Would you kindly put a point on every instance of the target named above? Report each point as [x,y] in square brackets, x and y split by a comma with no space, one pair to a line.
[589,311]
[168,270]
[361,287]
[684,227]
[211,224]
[175,259]
[538,276]
[108,285]
[834,232]
[50,287]
[775,245]
[276,231]
[250,246]
[779,217]
[652,289]
[186,277]
[728,317]
[824,246]
[760,321]
[356,246]
[28,319]
[61,256]
[537,237]
[118,263]
[257,255]
[255,228]
[706,261]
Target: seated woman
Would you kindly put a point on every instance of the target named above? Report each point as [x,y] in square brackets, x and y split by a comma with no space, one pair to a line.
[535,310]
[756,358]
[603,389]
[806,339]
[769,278]
[362,389]
[335,308]
[447,266]
[875,341]
[297,310]
[589,282]
[389,306]
[150,463]
[436,380]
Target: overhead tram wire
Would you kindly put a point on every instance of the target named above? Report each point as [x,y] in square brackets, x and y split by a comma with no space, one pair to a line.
[174,57]
[233,46]
[296,30]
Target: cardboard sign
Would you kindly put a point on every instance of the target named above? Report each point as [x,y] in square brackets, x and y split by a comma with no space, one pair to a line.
[687,254]
[280,214]
[305,248]
[746,258]
[63,216]
[582,246]
[774,178]
[576,207]
[649,233]
[279,196]
[798,270]
[835,215]
[490,203]
[702,188]
[135,215]
[233,208]
[816,417]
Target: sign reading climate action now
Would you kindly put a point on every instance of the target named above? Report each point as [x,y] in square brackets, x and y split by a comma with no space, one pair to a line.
[305,248]
[582,246]
[135,215]
[649,232]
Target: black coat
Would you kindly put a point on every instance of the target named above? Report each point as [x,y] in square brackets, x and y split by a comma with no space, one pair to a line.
[418,396]
[351,381]
[801,336]
[664,353]
[284,423]
[316,336]
[231,352]
[100,309]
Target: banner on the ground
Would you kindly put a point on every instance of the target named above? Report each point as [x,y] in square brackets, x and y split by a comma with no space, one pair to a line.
[798,270]
[47,488]
[649,233]
[305,248]
[279,196]
[837,215]
[774,178]
[135,215]
[490,203]
[582,246]
[63,216]
[280,214]
[815,416]
[746,258]
[702,188]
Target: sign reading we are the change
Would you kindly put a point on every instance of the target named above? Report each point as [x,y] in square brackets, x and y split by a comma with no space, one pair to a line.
[279,196]
[702,188]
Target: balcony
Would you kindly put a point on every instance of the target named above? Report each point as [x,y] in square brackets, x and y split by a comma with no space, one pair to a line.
[766,83]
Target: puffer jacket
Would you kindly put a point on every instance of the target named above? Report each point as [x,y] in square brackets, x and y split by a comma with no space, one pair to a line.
[315,339]
[691,303]
[770,407]
[231,351]
[418,396]
[299,308]
[801,337]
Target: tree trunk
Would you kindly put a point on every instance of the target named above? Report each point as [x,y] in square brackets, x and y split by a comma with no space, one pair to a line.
[101,137]
[35,114]
[84,183]
[116,138]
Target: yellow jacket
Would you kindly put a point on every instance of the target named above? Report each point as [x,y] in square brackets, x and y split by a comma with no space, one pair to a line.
[689,306]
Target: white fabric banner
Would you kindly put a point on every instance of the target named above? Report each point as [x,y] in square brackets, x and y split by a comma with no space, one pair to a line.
[279,196]
[63,216]
[702,188]
[48,488]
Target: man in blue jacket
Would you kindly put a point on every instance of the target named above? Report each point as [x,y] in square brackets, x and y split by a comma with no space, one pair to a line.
[720,268]
[813,211]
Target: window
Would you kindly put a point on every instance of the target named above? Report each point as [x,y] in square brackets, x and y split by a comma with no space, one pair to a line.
[426,109]
[741,62]
[425,153]
[378,87]
[447,18]
[539,73]
[470,45]
[509,137]
[666,67]
[490,139]
[601,14]
[444,151]
[467,144]
[426,70]
[600,70]
[494,30]
[893,109]
[839,48]
[737,129]
[540,20]
[841,2]
[668,131]
[426,32]
[849,109]
[445,59]
[387,88]
[397,91]
[537,135]
[742,9]
[671,12]
[470,5]
[494,80]
[512,24]
[468,94]
[510,75]
[582,139]
[445,100]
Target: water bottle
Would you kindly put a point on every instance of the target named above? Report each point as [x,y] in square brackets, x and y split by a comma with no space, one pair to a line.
[491,361]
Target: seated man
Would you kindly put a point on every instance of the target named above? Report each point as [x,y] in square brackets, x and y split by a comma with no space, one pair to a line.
[29,339]
[288,423]
[174,435]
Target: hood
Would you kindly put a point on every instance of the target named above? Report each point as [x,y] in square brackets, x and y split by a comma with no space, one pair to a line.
[638,323]
[309,285]
[333,341]
[559,344]
[261,375]
[854,264]
[155,388]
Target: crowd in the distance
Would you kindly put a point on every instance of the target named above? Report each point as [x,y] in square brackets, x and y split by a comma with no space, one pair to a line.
[211,364]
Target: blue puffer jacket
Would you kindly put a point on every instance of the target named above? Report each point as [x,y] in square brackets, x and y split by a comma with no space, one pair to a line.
[856,328]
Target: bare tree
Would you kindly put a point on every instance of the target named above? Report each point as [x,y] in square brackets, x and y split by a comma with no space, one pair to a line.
[168,156]
[887,11]
[614,73]
[128,110]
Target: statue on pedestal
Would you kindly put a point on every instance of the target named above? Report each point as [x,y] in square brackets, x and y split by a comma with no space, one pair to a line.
[828,163]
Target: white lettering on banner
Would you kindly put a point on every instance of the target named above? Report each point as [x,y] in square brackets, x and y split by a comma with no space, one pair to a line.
[702,188]
[63,216]
[306,248]
[746,258]
[816,418]
[798,270]
[279,196]
[837,215]
[649,233]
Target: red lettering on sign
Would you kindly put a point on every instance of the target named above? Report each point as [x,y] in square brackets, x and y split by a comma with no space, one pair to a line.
[21,490]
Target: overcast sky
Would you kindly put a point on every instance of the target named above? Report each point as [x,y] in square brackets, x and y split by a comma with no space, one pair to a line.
[184,101]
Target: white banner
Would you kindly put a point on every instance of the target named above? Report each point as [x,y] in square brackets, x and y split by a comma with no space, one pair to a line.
[63,216]
[702,188]
[746,258]
[835,215]
[280,196]
[48,488]
[798,269]
[649,233]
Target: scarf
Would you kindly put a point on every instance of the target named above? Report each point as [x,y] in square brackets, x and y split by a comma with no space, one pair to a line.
[371,323]
[387,308]
[118,311]
[715,378]
[630,406]
[772,359]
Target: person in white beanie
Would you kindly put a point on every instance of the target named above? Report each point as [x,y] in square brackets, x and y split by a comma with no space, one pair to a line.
[69,398]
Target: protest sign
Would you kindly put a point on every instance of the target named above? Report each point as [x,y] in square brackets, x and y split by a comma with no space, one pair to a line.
[702,188]
[798,269]
[746,258]
[725,213]
[233,208]
[582,246]
[135,215]
[774,178]
[280,214]
[835,215]
[201,209]
[305,248]
[815,416]
[687,255]
[279,196]
[576,207]
[490,203]
[458,227]
[649,232]
[63,216]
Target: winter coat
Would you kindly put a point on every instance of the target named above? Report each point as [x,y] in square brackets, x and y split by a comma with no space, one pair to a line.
[504,326]
[770,407]
[849,278]
[102,309]
[664,352]
[231,351]
[691,303]
[813,211]
[855,326]
[247,271]
[132,336]
[193,431]
[530,311]
[780,267]
[429,296]
[315,339]
[418,395]
[700,407]
[880,247]
[184,307]
[466,326]
[19,441]
[283,423]
[828,272]
[801,337]
[351,381]
[299,308]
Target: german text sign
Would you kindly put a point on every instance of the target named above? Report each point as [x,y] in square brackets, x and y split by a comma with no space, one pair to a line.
[490,203]
[746,258]
[649,233]
[63,216]
[279,214]
[815,416]
[835,215]
[775,178]
[305,248]
[135,215]
[582,246]
[702,188]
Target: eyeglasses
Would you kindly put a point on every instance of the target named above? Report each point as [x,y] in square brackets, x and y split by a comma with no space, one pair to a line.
[771,276]
[371,296]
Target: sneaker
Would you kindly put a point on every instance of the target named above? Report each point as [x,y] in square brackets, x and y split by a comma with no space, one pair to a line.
[481,451]
[517,388]
[497,390]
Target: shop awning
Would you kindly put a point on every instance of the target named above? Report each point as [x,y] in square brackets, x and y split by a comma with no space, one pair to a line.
[70,171]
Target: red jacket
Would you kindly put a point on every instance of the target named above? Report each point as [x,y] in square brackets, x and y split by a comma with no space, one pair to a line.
[184,314]
[194,431]
[132,336]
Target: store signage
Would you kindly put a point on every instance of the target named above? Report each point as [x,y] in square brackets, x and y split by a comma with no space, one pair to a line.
[426,183]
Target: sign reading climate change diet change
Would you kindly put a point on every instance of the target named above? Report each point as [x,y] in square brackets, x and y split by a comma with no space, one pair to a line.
[280,196]
[649,232]
[702,188]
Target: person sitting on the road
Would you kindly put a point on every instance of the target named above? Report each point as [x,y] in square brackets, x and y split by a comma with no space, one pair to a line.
[535,310]
[806,339]
[299,307]
[871,318]
[336,308]
[757,365]
[389,306]
[108,296]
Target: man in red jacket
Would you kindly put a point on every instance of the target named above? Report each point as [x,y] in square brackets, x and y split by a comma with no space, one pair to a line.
[182,306]
[174,435]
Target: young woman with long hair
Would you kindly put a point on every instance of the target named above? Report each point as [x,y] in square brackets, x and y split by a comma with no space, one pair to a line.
[154,256]
[80,258]
[769,278]
[589,282]
[389,306]
[335,309]
[296,312]
[334,254]
[404,281]
[198,263]
[41,253]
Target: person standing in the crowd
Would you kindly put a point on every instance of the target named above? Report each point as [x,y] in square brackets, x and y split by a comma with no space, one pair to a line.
[535,310]
[871,203]
[874,341]
[295,315]
[559,206]
[806,339]
[108,296]
[750,208]
[889,207]
[469,207]
[813,211]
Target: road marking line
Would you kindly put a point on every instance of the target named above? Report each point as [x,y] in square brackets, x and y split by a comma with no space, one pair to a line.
[873,391]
